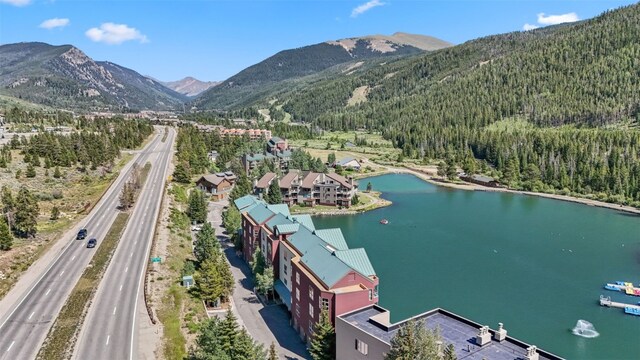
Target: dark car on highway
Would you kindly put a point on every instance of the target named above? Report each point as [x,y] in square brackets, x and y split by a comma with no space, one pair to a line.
[82,234]
[92,243]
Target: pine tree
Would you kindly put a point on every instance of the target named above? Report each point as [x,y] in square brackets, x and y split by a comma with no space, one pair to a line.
[209,281]
[274,196]
[415,341]
[55,213]
[26,213]
[228,332]
[245,348]
[206,245]
[6,238]
[208,343]
[182,173]
[331,158]
[450,353]
[272,352]
[57,174]
[197,210]
[323,345]
[264,281]
[257,262]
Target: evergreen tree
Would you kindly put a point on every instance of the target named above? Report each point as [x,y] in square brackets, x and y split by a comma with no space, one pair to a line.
[206,245]
[31,171]
[451,169]
[414,341]
[241,188]
[229,332]
[182,173]
[272,352]
[209,281]
[57,174]
[6,238]
[208,343]
[323,345]
[331,158]
[55,213]
[8,205]
[245,348]
[197,210]
[26,213]
[274,196]
[450,353]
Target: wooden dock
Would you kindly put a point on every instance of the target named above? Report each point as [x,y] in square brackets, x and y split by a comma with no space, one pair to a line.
[606,301]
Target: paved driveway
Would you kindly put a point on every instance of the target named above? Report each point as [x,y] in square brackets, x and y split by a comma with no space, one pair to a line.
[266,324]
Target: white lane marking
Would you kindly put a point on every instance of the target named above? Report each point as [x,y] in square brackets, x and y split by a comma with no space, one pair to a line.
[103,215]
[126,269]
[62,272]
[108,337]
[114,310]
[131,255]
[145,214]
[30,316]
[135,242]
[10,346]
[48,291]
[120,287]
[73,257]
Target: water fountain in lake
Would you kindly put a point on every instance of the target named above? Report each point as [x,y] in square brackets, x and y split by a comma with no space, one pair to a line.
[585,329]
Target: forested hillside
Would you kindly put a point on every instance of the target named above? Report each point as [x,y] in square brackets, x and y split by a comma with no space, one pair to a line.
[576,89]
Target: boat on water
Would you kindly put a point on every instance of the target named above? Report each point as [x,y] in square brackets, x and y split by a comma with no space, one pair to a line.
[384,221]
[625,287]
[632,310]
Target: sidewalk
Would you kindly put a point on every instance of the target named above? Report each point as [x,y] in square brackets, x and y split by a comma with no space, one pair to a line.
[266,324]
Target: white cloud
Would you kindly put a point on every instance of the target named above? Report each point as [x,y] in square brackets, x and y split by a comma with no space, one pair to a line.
[557,19]
[115,34]
[16,2]
[528,27]
[54,23]
[366,7]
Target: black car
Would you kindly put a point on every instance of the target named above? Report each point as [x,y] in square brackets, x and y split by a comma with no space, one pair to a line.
[92,243]
[82,234]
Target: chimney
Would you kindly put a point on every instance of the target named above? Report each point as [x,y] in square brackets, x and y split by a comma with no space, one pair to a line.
[483,337]
[500,334]
[532,353]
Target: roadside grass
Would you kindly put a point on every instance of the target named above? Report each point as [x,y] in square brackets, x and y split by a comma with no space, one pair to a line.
[76,192]
[63,334]
[179,311]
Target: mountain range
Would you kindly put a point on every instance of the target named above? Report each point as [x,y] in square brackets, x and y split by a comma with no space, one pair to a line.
[63,76]
[268,77]
[190,86]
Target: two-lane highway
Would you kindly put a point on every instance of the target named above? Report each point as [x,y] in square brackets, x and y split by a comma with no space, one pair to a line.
[110,330]
[24,327]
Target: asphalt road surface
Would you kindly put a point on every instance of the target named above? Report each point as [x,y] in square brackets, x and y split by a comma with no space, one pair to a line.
[110,331]
[25,326]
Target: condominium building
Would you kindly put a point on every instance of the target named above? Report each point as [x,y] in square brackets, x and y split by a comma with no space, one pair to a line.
[314,269]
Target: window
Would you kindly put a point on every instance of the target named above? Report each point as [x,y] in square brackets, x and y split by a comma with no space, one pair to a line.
[297,294]
[310,292]
[311,310]
[370,294]
[362,347]
[285,269]
[285,281]
[310,327]
[298,278]
[375,291]
[324,303]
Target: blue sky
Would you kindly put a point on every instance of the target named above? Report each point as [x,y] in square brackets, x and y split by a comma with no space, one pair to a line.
[212,40]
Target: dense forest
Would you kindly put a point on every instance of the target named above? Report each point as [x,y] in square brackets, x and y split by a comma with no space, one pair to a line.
[553,109]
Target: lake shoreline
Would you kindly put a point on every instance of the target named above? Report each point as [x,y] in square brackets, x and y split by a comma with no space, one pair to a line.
[473,187]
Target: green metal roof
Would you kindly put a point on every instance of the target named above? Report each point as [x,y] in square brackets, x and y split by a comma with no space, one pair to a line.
[303,240]
[328,268]
[279,209]
[334,238]
[260,213]
[245,202]
[287,228]
[305,220]
[279,219]
[357,259]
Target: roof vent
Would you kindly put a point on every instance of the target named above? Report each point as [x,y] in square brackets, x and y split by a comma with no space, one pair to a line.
[500,334]
[483,337]
[532,353]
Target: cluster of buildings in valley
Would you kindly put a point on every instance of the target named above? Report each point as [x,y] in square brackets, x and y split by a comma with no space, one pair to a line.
[315,270]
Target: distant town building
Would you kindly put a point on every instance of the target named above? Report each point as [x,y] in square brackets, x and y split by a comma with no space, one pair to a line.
[213,155]
[311,188]
[218,185]
[348,163]
[276,144]
[366,333]
[314,269]
[262,186]
[253,160]
[480,180]
[253,134]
